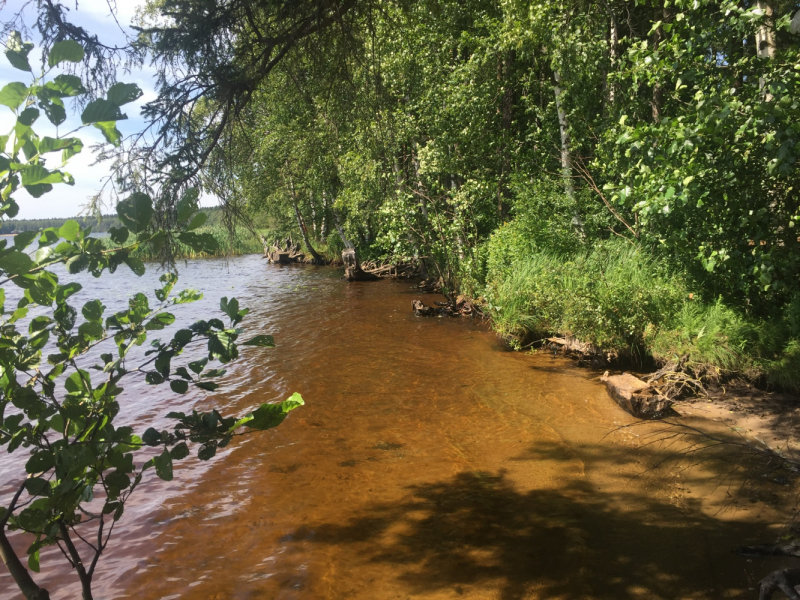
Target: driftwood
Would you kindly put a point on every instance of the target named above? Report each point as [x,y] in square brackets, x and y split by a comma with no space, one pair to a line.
[290,253]
[461,308]
[636,397]
[791,548]
[784,580]
[355,270]
[396,270]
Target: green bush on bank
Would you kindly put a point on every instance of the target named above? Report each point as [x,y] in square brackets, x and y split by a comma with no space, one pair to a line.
[625,301]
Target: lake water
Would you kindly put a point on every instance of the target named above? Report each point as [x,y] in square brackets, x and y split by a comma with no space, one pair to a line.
[428,463]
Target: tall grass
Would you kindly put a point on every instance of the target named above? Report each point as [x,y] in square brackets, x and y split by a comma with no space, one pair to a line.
[624,301]
[242,242]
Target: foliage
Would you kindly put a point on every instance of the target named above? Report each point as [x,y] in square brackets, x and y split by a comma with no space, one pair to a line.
[62,367]
[624,302]
[714,179]
[614,297]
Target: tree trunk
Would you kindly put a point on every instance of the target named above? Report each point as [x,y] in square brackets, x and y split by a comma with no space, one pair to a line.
[613,50]
[765,43]
[505,67]
[323,230]
[77,562]
[303,230]
[566,156]
[658,92]
[19,573]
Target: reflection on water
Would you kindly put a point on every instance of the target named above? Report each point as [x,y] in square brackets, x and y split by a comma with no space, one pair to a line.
[427,463]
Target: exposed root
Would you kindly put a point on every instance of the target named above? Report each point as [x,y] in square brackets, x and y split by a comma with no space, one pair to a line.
[403,270]
[673,382]
[784,580]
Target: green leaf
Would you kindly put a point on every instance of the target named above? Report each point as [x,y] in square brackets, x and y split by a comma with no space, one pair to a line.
[48,144]
[110,132]
[28,116]
[159,321]
[135,212]
[122,93]
[91,330]
[183,336]
[199,242]
[100,111]
[209,386]
[229,308]
[33,561]
[22,240]
[153,378]
[37,175]
[197,221]
[13,94]
[264,341]
[117,480]
[67,50]
[268,416]
[187,204]
[136,265]
[66,86]
[15,263]
[151,437]
[198,365]
[70,230]
[207,451]
[65,291]
[78,382]
[163,464]
[78,263]
[93,310]
[70,151]
[180,451]
[119,235]
[56,113]
[179,386]
[41,462]
[18,60]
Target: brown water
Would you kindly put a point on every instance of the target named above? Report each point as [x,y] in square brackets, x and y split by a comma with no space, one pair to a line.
[427,463]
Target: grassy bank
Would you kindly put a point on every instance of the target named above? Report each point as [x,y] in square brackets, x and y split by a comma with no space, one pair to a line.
[627,303]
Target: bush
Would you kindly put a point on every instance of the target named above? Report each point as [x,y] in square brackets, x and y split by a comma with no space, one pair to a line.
[611,297]
[625,301]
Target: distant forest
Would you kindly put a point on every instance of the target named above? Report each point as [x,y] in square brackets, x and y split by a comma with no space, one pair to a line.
[104,223]
[101,224]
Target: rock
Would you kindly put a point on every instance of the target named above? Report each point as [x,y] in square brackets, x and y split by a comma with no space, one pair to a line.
[635,396]
[421,310]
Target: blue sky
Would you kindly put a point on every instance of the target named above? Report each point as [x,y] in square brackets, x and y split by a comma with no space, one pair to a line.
[67,201]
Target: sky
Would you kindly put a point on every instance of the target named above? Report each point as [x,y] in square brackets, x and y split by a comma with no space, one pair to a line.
[68,201]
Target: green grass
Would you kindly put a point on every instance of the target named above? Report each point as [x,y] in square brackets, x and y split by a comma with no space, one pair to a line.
[243,242]
[626,302]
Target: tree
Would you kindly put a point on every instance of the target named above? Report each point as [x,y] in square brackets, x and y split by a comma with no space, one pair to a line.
[60,406]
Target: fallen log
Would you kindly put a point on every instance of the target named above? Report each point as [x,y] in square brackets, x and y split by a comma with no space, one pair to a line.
[636,397]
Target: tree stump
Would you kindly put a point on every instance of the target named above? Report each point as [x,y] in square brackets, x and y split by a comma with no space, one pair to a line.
[352,268]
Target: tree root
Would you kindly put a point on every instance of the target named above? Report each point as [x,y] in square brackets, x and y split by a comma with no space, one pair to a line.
[784,580]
